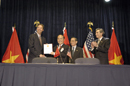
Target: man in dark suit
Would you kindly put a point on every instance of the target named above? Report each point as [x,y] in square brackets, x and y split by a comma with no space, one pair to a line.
[100,46]
[76,52]
[35,44]
[63,49]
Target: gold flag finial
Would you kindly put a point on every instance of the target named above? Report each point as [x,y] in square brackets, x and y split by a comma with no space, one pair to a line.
[36,23]
[65,24]
[90,24]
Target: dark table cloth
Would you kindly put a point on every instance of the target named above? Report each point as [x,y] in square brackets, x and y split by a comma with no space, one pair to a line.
[64,75]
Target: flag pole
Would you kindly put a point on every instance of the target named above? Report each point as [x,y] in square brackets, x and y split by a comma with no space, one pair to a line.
[65,24]
[0,3]
[112,24]
[14,25]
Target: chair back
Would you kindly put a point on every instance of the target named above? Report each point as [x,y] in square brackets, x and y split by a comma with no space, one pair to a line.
[44,60]
[88,61]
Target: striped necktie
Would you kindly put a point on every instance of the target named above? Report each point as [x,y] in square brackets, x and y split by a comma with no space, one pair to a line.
[59,47]
[98,41]
[40,39]
[72,51]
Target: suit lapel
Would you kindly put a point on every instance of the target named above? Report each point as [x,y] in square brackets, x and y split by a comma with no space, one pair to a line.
[61,47]
[42,40]
[101,41]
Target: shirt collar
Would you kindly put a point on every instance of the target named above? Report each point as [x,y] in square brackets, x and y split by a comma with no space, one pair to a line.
[38,35]
[74,47]
[61,45]
[100,38]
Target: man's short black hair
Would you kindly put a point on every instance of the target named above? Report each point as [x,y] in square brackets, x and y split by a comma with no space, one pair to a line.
[61,35]
[75,38]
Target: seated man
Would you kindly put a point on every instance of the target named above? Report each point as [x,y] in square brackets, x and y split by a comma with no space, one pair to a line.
[63,49]
[76,52]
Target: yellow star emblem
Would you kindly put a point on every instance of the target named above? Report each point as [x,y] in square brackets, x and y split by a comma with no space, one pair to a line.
[11,59]
[116,60]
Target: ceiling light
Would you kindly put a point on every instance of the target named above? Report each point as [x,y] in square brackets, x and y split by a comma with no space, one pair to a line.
[107,0]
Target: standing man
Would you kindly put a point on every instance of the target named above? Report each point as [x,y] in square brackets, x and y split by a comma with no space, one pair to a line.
[35,44]
[100,46]
[76,52]
[63,49]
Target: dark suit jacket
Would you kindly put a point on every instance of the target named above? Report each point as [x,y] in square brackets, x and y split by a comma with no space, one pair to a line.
[35,47]
[63,54]
[77,54]
[102,51]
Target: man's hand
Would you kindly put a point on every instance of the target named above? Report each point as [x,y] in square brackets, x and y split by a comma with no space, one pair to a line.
[94,44]
[52,53]
[41,55]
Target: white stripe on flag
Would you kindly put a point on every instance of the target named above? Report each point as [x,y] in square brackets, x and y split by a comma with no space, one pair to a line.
[27,56]
[86,49]
[87,52]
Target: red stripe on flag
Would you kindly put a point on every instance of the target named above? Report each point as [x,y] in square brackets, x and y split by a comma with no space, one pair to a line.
[85,52]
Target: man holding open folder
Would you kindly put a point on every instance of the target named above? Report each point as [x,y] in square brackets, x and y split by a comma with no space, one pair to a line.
[62,58]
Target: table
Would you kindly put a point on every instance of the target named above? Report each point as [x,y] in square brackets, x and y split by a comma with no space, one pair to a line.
[64,75]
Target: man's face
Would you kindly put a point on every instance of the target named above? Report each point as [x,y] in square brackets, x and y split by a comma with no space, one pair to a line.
[73,42]
[60,39]
[98,34]
[39,29]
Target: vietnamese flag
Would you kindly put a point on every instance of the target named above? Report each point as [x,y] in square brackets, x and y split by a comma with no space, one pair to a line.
[66,40]
[57,53]
[114,53]
[13,52]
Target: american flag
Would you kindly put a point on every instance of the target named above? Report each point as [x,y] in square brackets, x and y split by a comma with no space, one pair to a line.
[69,53]
[87,46]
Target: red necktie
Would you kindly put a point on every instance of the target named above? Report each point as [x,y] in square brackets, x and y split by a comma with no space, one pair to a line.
[59,47]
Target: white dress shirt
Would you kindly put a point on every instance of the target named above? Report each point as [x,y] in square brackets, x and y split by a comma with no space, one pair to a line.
[74,47]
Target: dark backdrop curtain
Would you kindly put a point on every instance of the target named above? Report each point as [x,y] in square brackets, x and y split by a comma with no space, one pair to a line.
[76,14]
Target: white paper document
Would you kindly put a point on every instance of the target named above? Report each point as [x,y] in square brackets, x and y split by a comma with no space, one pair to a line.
[47,48]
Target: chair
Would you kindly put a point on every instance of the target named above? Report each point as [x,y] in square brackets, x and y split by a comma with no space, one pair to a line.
[44,60]
[88,61]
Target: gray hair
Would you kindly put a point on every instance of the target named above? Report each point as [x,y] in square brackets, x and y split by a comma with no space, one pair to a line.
[101,30]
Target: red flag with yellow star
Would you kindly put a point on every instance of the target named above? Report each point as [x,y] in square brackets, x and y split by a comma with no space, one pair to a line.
[114,52]
[13,52]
